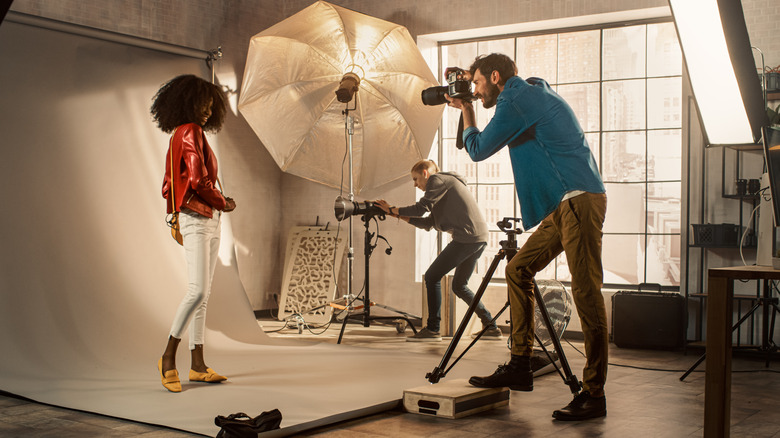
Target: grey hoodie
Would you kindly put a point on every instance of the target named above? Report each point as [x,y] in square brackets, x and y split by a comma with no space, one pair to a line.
[452,209]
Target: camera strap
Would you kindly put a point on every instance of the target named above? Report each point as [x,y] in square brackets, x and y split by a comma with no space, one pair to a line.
[459,135]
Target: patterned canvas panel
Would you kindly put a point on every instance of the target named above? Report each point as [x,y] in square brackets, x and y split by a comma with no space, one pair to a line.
[311,268]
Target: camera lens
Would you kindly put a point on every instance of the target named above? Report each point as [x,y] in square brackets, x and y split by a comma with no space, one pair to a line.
[434,95]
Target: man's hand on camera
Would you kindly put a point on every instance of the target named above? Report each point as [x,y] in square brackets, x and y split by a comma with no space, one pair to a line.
[455,102]
[466,76]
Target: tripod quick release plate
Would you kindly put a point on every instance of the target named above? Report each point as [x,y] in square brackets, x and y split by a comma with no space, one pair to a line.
[510,224]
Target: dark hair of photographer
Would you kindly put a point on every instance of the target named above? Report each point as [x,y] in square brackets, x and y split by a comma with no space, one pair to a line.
[179,101]
[501,63]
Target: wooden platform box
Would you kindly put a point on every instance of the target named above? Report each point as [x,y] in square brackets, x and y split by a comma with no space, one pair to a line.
[453,399]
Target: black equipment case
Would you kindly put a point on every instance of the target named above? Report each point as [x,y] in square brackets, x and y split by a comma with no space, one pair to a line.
[648,319]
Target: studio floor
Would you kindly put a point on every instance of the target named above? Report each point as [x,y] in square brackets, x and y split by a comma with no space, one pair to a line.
[645,398]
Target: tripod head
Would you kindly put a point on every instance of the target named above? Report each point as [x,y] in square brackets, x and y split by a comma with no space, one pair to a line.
[512,227]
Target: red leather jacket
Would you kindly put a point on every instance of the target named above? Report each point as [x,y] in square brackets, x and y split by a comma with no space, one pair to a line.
[195,172]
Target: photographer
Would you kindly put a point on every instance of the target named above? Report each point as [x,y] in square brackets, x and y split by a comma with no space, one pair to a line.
[560,189]
[453,210]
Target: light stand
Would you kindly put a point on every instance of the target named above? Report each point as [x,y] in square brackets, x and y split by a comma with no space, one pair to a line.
[349,125]
[365,317]
[347,88]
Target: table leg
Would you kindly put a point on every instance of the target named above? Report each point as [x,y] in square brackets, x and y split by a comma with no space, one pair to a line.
[717,393]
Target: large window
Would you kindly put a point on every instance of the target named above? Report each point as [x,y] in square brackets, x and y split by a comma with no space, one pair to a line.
[624,84]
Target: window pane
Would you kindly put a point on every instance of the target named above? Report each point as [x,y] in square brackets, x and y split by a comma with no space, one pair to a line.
[578,57]
[457,55]
[493,246]
[595,146]
[664,105]
[622,257]
[663,217]
[624,105]
[538,56]
[663,201]
[425,251]
[496,202]
[624,156]
[663,259]
[496,169]
[459,161]
[625,208]
[664,57]
[584,100]
[624,52]
[450,122]
[505,47]
[664,150]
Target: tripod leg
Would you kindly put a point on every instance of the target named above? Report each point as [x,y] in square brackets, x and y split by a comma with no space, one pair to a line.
[438,372]
[341,332]
[703,356]
[570,378]
[693,367]
[474,341]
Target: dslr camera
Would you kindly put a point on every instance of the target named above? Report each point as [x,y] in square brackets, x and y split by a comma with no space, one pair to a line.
[457,87]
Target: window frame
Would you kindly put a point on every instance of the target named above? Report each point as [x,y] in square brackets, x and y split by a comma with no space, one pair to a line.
[646,235]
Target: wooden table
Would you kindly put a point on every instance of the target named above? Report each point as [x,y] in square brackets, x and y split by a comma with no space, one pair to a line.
[717,381]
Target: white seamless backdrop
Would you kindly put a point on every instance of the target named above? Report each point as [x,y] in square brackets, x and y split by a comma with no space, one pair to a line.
[90,277]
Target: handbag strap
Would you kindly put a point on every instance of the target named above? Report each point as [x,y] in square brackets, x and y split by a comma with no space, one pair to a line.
[170,153]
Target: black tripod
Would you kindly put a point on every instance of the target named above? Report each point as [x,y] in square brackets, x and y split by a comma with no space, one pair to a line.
[768,346]
[365,317]
[508,250]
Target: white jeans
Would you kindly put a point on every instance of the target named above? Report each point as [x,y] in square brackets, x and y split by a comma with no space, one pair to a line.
[201,245]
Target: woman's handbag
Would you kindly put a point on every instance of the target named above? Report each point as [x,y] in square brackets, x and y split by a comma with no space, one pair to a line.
[173,220]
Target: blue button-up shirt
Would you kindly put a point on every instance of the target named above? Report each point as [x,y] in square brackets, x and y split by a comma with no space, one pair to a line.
[547,147]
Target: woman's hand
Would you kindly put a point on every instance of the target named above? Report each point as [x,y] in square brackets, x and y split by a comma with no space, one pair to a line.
[230,205]
[381,203]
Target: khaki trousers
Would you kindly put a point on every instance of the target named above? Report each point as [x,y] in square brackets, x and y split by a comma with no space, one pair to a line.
[575,228]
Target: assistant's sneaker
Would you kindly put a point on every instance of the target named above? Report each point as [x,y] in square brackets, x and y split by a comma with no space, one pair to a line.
[491,333]
[583,407]
[541,363]
[424,335]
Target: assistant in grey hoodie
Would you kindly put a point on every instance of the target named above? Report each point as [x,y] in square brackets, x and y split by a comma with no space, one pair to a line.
[452,209]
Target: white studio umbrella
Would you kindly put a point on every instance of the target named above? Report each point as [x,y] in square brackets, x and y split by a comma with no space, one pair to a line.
[293,70]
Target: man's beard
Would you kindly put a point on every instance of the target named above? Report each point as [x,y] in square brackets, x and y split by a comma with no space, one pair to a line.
[490,96]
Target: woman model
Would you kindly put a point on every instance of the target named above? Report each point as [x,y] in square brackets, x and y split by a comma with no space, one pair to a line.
[186,106]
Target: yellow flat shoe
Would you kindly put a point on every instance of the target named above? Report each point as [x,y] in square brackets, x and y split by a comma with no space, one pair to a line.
[170,380]
[210,376]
